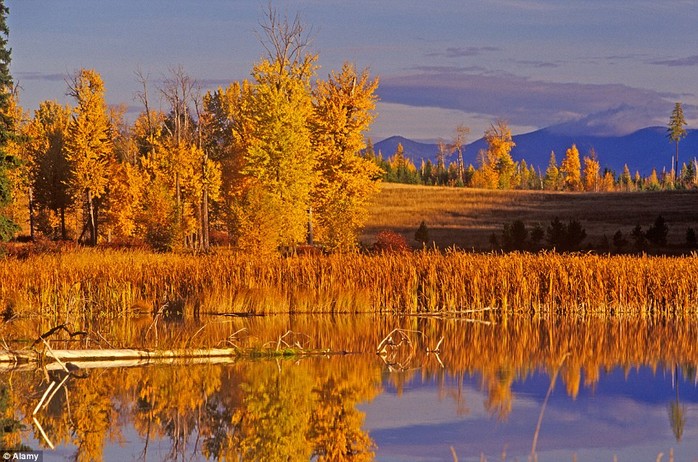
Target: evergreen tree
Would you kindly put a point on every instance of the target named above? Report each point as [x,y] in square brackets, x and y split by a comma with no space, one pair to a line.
[658,232]
[552,174]
[7,126]
[51,171]
[676,131]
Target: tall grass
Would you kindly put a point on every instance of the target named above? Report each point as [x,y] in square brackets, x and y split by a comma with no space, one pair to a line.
[107,283]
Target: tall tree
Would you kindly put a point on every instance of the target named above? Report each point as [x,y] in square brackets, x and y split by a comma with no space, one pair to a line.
[343,112]
[591,172]
[676,131]
[570,168]
[7,125]
[552,173]
[51,170]
[89,145]
[273,159]
[499,145]
[460,139]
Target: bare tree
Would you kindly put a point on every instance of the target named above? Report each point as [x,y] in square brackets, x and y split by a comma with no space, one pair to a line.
[285,41]
[460,139]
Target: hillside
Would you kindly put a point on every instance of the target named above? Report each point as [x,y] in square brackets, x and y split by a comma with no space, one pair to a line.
[467,217]
[641,150]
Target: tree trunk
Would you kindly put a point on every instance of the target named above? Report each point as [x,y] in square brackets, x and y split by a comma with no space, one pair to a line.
[31,214]
[92,218]
[63,233]
[204,220]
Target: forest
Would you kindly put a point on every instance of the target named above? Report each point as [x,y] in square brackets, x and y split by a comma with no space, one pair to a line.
[496,169]
[262,164]
[251,162]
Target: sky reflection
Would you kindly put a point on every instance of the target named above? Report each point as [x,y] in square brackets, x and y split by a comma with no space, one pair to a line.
[620,416]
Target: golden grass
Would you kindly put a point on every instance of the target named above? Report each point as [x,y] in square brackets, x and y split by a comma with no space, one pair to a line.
[92,284]
[466,217]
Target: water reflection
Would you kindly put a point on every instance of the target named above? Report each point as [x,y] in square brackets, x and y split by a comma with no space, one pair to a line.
[498,389]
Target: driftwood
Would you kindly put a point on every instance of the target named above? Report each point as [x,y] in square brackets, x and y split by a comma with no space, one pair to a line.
[73,356]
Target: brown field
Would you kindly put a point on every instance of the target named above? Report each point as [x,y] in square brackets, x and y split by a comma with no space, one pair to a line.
[467,217]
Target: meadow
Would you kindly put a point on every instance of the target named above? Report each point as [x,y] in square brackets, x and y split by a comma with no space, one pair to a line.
[466,217]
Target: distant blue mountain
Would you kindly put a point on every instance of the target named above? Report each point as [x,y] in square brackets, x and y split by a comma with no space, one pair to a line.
[642,150]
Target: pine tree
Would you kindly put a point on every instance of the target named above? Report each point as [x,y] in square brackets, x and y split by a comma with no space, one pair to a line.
[51,170]
[89,146]
[676,131]
[7,125]
[552,174]
[625,179]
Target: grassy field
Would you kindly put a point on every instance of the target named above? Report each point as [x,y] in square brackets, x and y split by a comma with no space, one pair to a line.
[467,217]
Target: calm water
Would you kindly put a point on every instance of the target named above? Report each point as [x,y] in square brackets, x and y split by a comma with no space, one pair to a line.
[624,388]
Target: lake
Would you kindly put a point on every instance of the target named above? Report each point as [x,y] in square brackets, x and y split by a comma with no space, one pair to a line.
[441,389]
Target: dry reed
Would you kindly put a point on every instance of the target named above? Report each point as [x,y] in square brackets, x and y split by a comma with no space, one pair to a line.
[107,284]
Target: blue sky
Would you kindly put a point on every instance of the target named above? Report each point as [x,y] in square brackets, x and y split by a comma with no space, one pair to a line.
[608,66]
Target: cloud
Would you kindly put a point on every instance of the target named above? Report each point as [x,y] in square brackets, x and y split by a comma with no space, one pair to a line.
[463,52]
[678,62]
[520,100]
[40,76]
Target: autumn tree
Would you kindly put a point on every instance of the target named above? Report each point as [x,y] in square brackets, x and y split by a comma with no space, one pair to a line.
[498,156]
[89,146]
[552,174]
[269,120]
[626,180]
[343,111]
[590,173]
[676,131]
[570,168]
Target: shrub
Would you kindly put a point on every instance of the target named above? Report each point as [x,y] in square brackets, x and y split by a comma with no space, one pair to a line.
[619,241]
[389,241]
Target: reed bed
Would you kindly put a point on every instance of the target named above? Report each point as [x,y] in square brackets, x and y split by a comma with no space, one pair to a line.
[108,283]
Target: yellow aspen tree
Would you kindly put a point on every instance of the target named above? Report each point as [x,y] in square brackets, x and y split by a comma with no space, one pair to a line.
[89,146]
[499,145]
[343,112]
[590,174]
[277,161]
[570,168]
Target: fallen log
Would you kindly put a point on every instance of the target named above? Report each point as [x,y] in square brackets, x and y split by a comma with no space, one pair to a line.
[23,356]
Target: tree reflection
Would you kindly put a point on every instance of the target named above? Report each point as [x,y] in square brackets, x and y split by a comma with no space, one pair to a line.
[305,408]
[677,412]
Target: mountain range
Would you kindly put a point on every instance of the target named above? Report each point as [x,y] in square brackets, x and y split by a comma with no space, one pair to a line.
[641,150]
